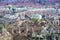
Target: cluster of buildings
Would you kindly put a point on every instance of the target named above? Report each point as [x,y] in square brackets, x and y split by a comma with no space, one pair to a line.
[20,23]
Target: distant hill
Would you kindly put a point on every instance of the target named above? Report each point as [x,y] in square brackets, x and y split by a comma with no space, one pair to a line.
[19,2]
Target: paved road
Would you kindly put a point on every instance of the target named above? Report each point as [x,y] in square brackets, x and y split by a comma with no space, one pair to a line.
[30,9]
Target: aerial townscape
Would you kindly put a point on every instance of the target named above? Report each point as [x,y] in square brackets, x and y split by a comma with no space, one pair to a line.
[29,19]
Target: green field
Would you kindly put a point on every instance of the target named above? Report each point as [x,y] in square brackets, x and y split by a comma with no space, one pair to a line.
[0,26]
